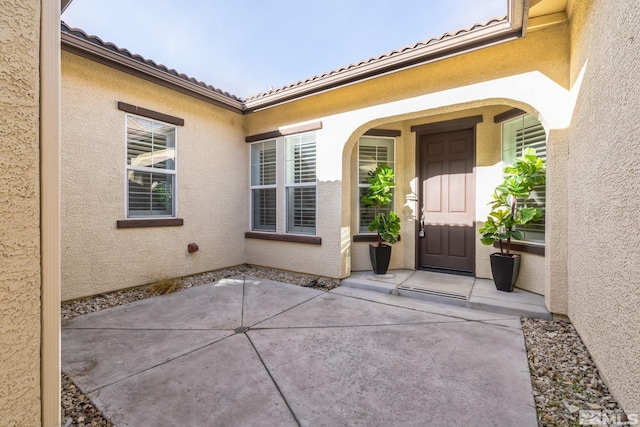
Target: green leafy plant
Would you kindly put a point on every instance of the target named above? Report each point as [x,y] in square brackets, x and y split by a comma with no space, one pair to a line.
[161,192]
[379,195]
[508,204]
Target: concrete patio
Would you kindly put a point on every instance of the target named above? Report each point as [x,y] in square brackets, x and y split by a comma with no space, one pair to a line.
[252,352]
[463,291]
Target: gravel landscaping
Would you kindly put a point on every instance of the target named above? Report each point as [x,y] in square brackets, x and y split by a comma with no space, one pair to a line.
[99,302]
[565,379]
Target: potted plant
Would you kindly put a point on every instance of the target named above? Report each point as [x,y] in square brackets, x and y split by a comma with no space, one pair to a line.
[387,226]
[509,209]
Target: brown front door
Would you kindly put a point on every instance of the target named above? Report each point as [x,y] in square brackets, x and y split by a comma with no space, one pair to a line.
[447,236]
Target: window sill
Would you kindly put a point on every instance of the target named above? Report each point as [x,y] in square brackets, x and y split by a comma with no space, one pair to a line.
[140,223]
[524,247]
[367,238]
[294,238]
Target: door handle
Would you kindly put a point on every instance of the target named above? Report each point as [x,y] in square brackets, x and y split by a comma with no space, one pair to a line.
[421,233]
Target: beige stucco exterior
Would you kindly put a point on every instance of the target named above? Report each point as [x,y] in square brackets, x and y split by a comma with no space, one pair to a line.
[533,76]
[21,388]
[29,205]
[211,184]
[575,70]
[92,244]
[603,187]
[577,274]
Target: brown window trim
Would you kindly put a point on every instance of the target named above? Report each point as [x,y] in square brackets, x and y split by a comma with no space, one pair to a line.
[284,132]
[128,108]
[448,125]
[160,222]
[524,247]
[390,133]
[367,238]
[293,238]
[510,114]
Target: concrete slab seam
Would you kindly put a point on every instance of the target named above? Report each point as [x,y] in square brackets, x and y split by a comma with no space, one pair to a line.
[519,302]
[355,326]
[77,328]
[275,383]
[515,317]
[536,314]
[488,322]
[156,365]
[284,311]
[244,290]
[427,311]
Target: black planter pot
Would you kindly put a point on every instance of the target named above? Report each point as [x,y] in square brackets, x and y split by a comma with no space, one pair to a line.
[505,270]
[380,256]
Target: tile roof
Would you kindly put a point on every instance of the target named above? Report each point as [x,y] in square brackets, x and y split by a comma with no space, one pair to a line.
[112,47]
[422,44]
[494,30]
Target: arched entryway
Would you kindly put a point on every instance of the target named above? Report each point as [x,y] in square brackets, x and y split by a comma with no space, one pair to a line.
[458,157]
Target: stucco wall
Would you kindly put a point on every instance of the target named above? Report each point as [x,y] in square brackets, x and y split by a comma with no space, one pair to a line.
[20,213]
[556,225]
[211,181]
[533,75]
[603,171]
[488,171]
[320,260]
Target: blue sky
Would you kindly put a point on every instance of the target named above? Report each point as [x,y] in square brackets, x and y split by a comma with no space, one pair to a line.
[246,46]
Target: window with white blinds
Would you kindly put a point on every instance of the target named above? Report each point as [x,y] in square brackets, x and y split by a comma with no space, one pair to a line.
[527,132]
[150,168]
[263,186]
[300,183]
[372,152]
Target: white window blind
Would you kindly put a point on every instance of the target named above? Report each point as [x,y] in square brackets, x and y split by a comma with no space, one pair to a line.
[263,186]
[150,168]
[527,132]
[300,183]
[372,152]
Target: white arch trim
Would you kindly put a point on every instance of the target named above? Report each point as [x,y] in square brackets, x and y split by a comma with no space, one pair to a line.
[553,103]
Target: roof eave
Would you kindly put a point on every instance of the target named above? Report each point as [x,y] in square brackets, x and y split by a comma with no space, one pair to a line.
[510,29]
[64,4]
[95,52]
[513,27]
